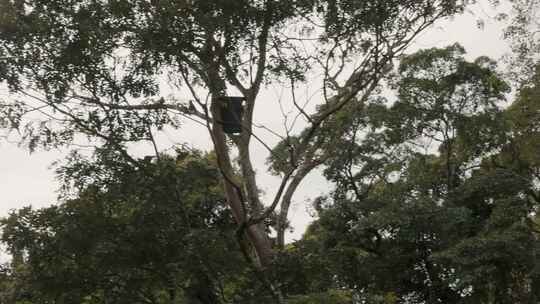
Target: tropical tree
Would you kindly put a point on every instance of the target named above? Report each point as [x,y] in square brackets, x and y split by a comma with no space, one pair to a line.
[522,33]
[159,233]
[95,67]
[438,204]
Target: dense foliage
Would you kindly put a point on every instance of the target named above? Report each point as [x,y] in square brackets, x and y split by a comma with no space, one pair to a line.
[436,190]
[441,205]
[160,234]
[437,203]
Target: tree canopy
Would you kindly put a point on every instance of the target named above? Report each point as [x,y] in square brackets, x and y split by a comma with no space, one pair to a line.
[441,208]
[435,196]
[436,202]
[131,241]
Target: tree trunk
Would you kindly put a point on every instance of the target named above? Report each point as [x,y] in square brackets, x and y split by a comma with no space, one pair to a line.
[233,191]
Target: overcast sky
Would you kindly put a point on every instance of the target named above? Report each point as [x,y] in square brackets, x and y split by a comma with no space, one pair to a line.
[26,179]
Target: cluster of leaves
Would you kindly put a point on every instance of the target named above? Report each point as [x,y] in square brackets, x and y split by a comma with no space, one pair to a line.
[156,234]
[522,33]
[438,202]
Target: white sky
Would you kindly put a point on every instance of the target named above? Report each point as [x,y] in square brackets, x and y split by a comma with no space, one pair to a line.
[26,179]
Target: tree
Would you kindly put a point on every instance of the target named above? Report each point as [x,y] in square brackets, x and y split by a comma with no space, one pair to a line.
[93,68]
[522,33]
[124,239]
[438,204]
